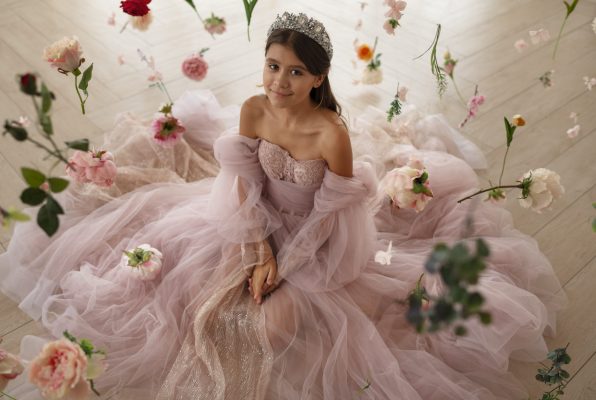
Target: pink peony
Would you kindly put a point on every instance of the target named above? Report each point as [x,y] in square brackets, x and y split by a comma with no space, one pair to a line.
[143,262]
[195,67]
[92,167]
[141,23]
[60,371]
[520,45]
[10,367]
[215,25]
[167,130]
[66,54]
[408,186]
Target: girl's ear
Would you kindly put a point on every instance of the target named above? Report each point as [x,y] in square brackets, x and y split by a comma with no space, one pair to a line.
[319,80]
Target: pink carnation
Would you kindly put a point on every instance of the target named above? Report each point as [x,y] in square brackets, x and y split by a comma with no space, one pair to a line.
[60,371]
[92,167]
[408,186]
[195,67]
[167,130]
[10,367]
[215,25]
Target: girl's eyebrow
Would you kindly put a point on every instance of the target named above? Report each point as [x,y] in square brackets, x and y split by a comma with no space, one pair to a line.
[273,60]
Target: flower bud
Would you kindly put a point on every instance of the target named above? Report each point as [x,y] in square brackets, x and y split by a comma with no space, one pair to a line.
[518,120]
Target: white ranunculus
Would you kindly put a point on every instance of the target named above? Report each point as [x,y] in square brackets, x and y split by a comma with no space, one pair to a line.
[545,187]
[147,270]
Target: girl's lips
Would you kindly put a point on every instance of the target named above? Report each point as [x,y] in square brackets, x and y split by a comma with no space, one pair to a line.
[280,94]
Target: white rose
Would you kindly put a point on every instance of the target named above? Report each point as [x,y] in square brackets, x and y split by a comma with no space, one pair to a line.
[372,77]
[545,187]
[64,54]
[147,270]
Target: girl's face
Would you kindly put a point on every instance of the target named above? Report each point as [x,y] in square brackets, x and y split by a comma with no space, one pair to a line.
[286,80]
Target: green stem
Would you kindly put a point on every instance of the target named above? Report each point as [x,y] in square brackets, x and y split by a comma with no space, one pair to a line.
[79,94]
[461,98]
[503,166]
[165,90]
[489,189]
[7,395]
[559,37]
[57,154]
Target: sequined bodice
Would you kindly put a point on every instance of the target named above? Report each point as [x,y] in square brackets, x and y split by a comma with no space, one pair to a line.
[279,164]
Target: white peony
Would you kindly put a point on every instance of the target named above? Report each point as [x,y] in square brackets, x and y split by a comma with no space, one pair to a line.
[143,262]
[544,188]
[371,76]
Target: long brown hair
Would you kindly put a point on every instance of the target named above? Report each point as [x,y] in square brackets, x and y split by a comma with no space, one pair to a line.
[315,59]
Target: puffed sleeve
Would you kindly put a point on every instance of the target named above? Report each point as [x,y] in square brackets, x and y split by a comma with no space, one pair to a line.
[335,242]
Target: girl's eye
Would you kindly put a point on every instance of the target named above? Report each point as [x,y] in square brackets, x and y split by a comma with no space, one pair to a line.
[273,67]
[296,72]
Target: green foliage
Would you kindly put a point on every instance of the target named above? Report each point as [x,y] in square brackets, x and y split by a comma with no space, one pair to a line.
[33,177]
[15,130]
[249,6]
[509,131]
[394,109]
[81,144]
[87,75]
[57,185]
[555,374]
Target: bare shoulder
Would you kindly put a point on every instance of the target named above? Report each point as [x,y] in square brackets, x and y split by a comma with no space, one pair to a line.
[251,113]
[336,147]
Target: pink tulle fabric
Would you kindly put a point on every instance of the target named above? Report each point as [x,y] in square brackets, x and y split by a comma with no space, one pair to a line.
[334,329]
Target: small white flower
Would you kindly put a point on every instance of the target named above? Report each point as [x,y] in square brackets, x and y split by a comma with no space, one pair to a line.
[24,122]
[589,82]
[573,132]
[96,365]
[545,187]
[573,116]
[384,257]
[142,270]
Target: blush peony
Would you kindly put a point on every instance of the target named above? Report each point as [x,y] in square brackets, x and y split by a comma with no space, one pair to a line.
[408,186]
[60,371]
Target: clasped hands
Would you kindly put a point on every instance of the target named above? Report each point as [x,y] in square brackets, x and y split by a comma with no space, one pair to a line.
[262,281]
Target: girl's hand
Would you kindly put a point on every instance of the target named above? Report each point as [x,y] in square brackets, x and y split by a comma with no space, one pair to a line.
[262,280]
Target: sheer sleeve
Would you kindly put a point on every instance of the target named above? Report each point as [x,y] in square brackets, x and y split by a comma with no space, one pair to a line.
[236,207]
[334,244]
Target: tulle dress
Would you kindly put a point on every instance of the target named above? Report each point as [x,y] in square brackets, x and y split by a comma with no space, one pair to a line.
[335,328]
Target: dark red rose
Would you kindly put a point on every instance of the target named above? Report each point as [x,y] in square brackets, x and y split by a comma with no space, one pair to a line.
[28,83]
[136,8]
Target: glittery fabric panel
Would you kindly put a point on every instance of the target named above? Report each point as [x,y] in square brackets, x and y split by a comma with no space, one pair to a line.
[279,164]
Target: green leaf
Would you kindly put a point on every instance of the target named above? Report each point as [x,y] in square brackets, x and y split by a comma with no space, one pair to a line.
[15,130]
[17,215]
[510,129]
[87,347]
[87,75]
[46,124]
[33,196]
[53,206]
[482,248]
[460,330]
[192,4]
[46,99]
[33,177]
[485,317]
[47,220]
[80,144]
[57,185]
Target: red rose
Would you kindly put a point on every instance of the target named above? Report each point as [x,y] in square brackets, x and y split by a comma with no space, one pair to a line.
[136,8]
[28,83]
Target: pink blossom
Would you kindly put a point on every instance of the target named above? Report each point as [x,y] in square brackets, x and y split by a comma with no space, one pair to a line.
[10,368]
[155,76]
[65,54]
[402,93]
[167,130]
[215,25]
[520,45]
[395,8]
[195,67]
[112,19]
[60,371]
[473,105]
[573,132]
[92,167]
[408,186]
[539,35]
[24,122]
[389,28]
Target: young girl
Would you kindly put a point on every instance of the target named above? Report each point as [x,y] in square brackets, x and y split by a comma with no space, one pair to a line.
[291,214]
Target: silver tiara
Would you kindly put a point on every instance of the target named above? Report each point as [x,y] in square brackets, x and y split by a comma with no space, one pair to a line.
[303,24]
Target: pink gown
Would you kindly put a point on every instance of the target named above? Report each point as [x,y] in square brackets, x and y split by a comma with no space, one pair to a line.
[334,329]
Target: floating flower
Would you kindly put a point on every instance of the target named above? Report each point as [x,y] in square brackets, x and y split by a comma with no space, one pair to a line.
[371,76]
[364,52]
[402,93]
[384,257]
[60,371]
[473,106]
[112,19]
[589,82]
[24,122]
[573,132]
[395,8]
[10,367]
[449,64]
[95,167]
[408,186]
[195,67]
[518,120]
[215,24]
[540,187]
[142,262]
[136,8]
[142,22]
[155,76]
[390,26]
[65,54]
[28,83]
[520,45]
[541,35]
[167,130]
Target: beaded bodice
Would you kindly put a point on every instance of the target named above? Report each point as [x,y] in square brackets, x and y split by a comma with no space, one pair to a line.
[279,164]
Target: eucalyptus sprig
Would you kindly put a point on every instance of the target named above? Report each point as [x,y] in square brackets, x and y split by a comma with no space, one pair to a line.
[569,9]
[41,188]
[435,69]
[459,269]
[555,374]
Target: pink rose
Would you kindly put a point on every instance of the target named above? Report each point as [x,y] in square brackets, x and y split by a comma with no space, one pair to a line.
[92,167]
[65,54]
[60,371]
[408,186]
[10,368]
[167,130]
[195,67]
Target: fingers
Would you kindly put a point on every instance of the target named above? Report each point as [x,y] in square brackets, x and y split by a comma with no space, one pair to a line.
[258,278]
[272,273]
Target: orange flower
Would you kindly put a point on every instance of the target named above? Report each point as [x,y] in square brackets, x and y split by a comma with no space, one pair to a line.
[518,120]
[364,52]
